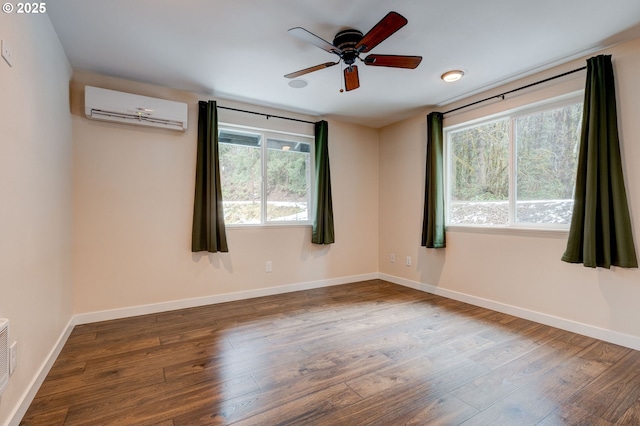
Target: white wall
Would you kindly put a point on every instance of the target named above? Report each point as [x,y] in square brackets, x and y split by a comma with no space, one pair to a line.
[35,196]
[514,270]
[133,204]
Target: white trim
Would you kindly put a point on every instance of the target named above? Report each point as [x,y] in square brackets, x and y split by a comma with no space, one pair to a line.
[627,340]
[511,230]
[214,299]
[30,393]
[272,225]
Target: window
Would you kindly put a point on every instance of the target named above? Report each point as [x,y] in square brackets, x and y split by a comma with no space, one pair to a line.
[265,175]
[516,169]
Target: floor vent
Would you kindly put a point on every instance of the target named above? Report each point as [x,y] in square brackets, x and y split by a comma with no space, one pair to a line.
[4,353]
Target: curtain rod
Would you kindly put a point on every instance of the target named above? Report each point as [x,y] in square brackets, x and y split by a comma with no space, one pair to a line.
[502,95]
[266,115]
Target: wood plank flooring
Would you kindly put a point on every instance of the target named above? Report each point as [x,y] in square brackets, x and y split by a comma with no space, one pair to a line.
[369,353]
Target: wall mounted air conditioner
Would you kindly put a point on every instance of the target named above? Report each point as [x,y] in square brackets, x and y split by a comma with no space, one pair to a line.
[111,105]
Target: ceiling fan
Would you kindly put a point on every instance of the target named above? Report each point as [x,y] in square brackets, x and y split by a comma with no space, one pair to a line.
[349,44]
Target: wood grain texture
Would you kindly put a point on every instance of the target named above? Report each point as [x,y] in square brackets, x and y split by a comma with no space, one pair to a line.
[366,353]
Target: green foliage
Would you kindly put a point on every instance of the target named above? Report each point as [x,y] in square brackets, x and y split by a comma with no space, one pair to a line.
[287,175]
[241,176]
[547,145]
[546,157]
[240,172]
[480,162]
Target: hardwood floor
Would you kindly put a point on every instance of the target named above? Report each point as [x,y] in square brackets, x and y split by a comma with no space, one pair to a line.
[369,353]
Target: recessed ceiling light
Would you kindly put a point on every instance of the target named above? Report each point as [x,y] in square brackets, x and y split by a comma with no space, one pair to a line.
[298,83]
[451,76]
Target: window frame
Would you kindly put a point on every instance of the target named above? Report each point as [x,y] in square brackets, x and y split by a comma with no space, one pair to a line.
[512,114]
[267,134]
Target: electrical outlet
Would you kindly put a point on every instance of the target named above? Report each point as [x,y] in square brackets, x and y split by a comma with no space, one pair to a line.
[13,357]
[6,52]
[392,258]
[269,266]
[408,260]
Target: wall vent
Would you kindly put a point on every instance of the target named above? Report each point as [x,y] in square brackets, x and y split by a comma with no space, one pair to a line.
[4,353]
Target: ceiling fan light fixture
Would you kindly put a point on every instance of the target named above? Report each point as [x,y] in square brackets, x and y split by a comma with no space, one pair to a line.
[451,76]
[298,83]
[348,44]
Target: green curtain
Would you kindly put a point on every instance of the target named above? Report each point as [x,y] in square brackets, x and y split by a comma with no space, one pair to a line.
[208,232]
[600,233]
[433,235]
[322,232]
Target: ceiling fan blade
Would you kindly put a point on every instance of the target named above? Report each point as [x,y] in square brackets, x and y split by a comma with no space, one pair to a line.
[351,80]
[383,29]
[309,37]
[394,61]
[311,69]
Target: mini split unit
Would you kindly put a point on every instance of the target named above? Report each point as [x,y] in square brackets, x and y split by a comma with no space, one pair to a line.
[120,107]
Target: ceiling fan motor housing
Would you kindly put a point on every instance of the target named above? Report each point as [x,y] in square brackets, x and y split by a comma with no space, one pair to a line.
[346,41]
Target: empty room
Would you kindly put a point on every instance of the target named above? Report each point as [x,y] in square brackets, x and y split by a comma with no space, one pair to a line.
[319,212]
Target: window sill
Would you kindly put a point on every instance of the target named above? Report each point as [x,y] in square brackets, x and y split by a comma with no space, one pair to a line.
[511,230]
[269,226]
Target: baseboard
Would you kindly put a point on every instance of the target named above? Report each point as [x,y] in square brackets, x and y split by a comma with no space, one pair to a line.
[25,401]
[214,299]
[626,340]
[622,339]
[22,407]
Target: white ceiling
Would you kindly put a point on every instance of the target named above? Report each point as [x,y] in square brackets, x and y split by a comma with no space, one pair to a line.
[240,49]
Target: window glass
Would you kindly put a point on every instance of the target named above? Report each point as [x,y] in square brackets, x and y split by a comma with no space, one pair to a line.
[480,175]
[288,180]
[266,176]
[515,170]
[241,176]
[546,160]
